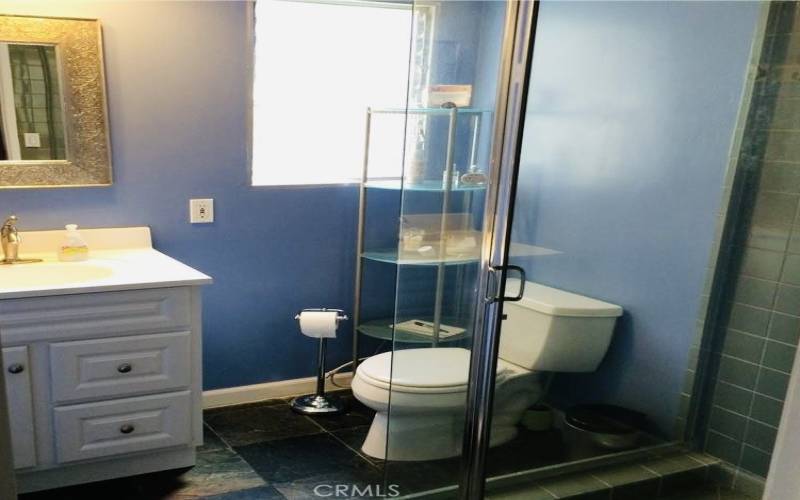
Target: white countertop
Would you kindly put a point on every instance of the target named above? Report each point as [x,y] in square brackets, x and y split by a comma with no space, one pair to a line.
[119,259]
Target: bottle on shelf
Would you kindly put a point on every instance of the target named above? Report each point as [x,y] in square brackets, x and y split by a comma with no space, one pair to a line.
[454,180]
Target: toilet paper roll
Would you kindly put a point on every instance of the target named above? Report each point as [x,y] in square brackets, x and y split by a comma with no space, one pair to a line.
[318,324]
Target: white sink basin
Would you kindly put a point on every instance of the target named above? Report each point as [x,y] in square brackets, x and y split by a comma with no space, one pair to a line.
[39,274]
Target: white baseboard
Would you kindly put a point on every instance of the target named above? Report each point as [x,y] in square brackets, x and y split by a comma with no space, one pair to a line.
[270,390]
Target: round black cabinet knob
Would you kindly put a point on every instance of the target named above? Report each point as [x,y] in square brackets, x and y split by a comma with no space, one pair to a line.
[124,368]
[126,429]
[16,368]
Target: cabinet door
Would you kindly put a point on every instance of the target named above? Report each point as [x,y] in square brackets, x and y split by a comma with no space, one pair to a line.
[20,405]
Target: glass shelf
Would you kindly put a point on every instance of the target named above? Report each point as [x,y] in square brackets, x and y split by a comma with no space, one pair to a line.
[382,329]
[431,186]
[429,111]
[391,257]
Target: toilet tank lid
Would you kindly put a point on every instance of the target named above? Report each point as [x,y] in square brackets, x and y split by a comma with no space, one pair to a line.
[555,302]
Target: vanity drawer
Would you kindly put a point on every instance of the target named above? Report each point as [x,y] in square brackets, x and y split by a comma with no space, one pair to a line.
[95,430]
[103,368]
[88,315]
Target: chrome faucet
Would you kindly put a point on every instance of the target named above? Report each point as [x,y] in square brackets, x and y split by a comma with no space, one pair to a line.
[10,240]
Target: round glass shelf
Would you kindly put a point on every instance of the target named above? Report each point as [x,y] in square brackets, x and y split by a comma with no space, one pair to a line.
[391,257]
[429,111]
[427,186]
[382,329]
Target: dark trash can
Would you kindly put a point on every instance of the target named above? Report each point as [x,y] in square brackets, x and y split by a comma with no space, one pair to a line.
[597,429]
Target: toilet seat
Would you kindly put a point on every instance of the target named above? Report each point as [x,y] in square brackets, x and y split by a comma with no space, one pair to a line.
[442,370]
[432,371]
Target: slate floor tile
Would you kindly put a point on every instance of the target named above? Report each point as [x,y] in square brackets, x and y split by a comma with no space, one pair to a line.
[217,471]
[211,441]
[354,439]
[415,477]
[254,424]
[357,415]
[291,459]
[348,483]
[261,493]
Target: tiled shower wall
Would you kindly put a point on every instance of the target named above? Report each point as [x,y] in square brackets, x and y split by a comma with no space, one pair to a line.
[753,336]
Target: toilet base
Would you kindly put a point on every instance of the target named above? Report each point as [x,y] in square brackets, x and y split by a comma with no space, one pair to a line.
[423,437]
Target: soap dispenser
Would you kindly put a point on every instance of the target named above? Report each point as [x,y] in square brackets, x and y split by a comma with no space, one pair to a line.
[73,248]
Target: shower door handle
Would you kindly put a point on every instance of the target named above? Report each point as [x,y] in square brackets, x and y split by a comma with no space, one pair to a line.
[493,288]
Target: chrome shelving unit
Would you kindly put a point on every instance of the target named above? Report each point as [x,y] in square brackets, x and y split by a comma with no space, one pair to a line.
[441,260]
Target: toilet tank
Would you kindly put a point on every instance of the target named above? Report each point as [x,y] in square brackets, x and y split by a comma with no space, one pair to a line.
[556,331]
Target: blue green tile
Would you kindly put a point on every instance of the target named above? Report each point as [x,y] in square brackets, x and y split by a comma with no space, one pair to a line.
[749,319]
[727,423]
[791,270]
[775,209]
[788,299]
[637,490]
[565,487]
[732,398]
[779,356]
[782,145]
[767,410]
[784,328]
[743,346]
[520,492]
[747,485]
[755,461]
[760,436]
[724,447]
[779,176]
[737,372]
[755,292]
[794,241]
[766,237]
[765,264]
[772,383]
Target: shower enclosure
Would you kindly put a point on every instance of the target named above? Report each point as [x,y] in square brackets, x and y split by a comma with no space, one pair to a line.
[608,150]
[426,229]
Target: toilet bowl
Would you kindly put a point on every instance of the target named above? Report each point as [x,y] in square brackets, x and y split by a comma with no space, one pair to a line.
[419,395]
[428,389]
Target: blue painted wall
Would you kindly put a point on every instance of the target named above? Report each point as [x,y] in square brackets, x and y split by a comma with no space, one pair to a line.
[177,81]
[629,122]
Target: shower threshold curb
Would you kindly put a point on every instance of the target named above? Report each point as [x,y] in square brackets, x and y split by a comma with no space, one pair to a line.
[651,472]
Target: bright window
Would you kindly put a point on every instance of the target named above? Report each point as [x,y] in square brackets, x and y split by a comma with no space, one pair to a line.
[318,67]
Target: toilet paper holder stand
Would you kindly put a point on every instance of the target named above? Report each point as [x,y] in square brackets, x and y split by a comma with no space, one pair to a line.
[320,403]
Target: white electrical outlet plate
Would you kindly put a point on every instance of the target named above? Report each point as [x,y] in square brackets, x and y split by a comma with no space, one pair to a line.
[32,140]
[201,211]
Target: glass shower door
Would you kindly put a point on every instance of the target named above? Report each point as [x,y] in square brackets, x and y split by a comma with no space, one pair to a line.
[449,247]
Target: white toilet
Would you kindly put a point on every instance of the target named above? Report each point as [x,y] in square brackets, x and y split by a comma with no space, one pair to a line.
[549,330]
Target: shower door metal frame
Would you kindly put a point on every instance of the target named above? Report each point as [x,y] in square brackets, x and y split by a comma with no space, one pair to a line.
[507,139]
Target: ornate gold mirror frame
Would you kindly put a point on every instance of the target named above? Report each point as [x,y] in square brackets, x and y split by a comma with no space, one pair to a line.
[79,54]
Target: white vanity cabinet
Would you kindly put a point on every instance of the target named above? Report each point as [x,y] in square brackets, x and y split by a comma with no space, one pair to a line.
[101,385]
[102,360]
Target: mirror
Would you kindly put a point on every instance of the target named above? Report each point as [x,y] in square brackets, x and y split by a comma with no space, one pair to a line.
[53,119]
[31,106]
